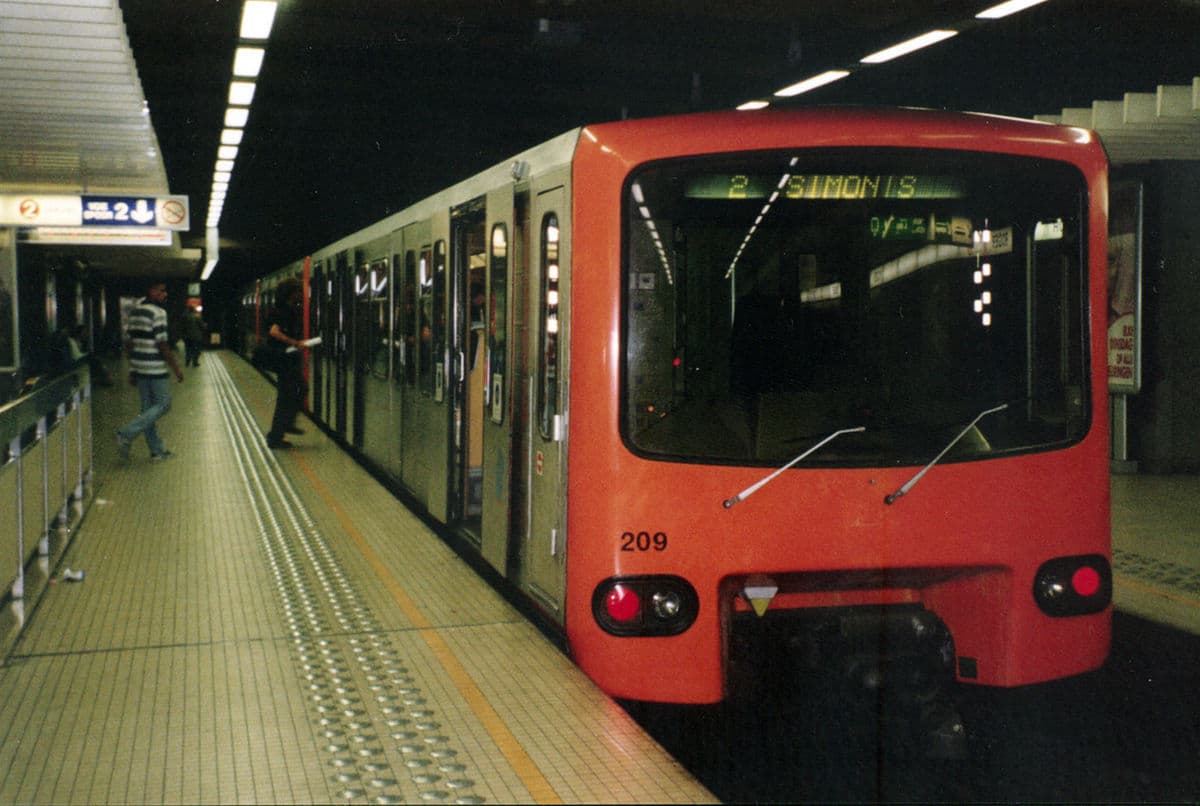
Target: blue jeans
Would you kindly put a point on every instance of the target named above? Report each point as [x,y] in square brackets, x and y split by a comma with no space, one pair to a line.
[156,400]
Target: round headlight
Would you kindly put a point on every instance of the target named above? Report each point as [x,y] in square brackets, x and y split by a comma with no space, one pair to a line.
[666,604]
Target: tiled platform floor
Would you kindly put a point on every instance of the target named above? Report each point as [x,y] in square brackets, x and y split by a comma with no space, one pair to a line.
[233,642]
[1156,548]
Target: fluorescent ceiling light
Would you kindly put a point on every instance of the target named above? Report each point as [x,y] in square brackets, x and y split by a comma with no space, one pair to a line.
[247,62]
[1004,9]
[224,165]
[257,16]
[908,46]
[231,137]
[749,105]
[820,80]
[241,93]
[236,117]
[220,186]
[209,265]
[227,152]
[222,176]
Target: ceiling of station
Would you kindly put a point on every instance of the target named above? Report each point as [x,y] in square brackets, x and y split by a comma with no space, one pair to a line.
[364,106]
[73,116]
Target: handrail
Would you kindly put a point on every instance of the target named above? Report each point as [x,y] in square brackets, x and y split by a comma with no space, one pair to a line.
[46,457]
[21,414]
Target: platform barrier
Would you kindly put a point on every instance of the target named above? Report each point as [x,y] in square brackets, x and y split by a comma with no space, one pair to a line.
[45,483]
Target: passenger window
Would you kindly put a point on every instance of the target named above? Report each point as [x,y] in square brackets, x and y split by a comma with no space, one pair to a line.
[439,320]
[425,319]
[406,365]
[497,319]
[548,354]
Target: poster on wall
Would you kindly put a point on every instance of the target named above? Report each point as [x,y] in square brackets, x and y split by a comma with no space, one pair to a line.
[1125,288]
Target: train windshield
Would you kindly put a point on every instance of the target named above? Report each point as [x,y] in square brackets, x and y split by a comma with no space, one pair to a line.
[771,299]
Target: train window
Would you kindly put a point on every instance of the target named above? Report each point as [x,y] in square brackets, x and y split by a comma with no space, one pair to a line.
[497,333]
[771,299]
[425,318]
[400,325]
[439,321]
[548,354]
[376,333]
[410,331]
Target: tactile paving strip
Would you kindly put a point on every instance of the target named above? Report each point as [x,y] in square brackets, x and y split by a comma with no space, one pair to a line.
[1161,572]
[361,692]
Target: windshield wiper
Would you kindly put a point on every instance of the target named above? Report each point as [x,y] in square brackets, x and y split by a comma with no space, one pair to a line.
[908,485]
[753,488]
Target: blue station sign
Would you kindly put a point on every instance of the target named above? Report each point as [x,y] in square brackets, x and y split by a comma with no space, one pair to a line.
[37,210]
[135,211]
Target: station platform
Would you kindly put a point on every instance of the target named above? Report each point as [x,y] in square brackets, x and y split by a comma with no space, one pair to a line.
[257,626]
[1156,548]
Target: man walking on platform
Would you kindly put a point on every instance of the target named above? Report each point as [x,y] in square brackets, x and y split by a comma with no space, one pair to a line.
[150,355]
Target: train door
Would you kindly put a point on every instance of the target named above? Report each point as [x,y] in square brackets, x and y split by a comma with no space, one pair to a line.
[469,366]
[544,394]
[343,313]
[317,307]
[360,349]
[417,410]
[505,244]
[402,299]
[326,351]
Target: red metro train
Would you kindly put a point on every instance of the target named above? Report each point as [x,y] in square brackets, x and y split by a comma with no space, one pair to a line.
[829,370]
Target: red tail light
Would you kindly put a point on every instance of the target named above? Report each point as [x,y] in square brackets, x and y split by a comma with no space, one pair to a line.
[1086,581]
[1073,586]
[622,604]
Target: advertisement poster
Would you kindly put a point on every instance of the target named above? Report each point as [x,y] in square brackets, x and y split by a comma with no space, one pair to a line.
[1124,289]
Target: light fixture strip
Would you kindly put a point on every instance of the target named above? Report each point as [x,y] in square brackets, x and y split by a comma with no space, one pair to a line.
[908,46]
[247,62]
[819,80]
[241,93]
[1005,9]
[236,117]
[257,18]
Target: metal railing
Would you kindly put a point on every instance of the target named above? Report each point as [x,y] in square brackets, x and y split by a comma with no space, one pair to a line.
[45,481]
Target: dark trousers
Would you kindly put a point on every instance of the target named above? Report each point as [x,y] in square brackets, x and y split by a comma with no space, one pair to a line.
[191,352]
[291,392]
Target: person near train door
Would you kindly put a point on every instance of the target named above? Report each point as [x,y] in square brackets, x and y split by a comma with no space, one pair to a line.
[150,355]
[284,339]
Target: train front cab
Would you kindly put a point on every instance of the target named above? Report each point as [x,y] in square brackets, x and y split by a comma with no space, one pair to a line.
[662,571]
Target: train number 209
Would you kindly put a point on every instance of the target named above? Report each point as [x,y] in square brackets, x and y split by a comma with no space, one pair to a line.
[643,541]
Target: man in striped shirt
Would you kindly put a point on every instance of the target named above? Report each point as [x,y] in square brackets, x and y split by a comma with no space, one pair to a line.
[150,356]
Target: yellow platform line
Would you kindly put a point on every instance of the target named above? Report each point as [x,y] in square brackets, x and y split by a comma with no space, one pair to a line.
[531,776]
[1156,592]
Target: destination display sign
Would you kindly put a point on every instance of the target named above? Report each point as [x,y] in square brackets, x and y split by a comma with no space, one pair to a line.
[825,186]
[34,210]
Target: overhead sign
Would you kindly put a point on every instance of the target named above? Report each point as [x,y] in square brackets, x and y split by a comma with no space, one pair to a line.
[34,210]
